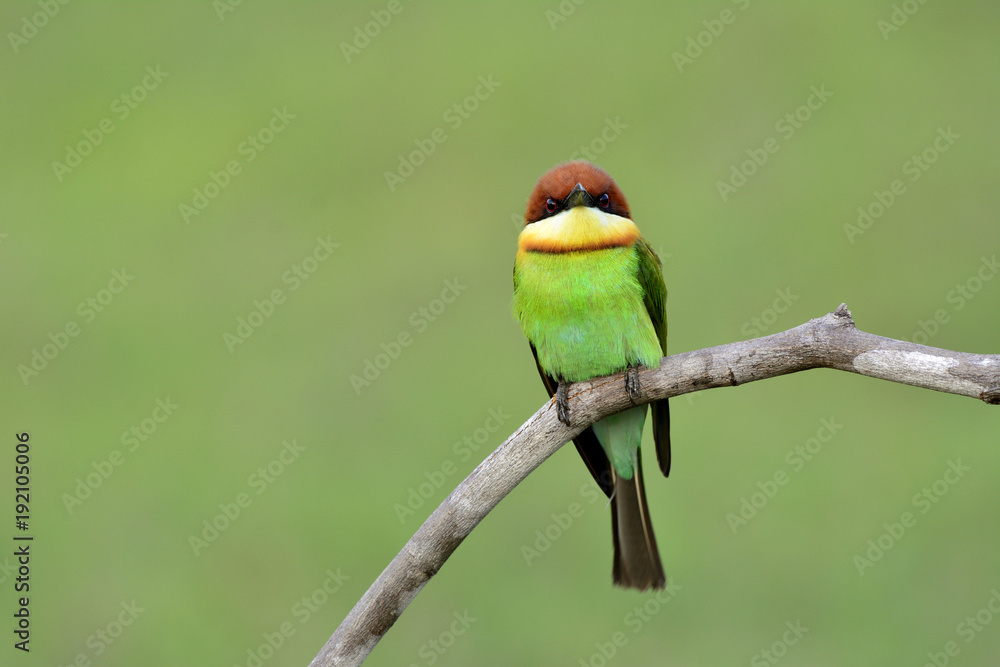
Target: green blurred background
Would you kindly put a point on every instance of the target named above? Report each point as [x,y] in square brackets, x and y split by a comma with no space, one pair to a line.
[329,124]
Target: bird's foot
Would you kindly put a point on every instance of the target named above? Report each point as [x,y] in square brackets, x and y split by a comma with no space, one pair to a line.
[562,403]
[632,383]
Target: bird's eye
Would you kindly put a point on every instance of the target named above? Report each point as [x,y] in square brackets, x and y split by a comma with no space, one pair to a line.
[551,205]
[604,200]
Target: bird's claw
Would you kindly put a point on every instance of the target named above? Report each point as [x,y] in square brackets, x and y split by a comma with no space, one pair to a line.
[632,384]
[562,403]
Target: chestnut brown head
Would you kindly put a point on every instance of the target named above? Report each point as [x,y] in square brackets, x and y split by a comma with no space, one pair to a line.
[575,184]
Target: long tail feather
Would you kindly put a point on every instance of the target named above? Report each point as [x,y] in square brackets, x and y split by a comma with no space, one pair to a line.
[637,560]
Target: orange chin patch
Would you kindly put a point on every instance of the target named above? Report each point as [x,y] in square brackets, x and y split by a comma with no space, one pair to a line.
[580,228]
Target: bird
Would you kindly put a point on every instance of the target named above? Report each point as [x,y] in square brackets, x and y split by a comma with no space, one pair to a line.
[590,298]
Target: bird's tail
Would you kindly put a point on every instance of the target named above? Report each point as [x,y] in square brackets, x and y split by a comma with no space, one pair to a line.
[637,560]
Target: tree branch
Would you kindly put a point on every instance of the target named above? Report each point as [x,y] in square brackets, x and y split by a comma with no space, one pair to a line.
[831,341]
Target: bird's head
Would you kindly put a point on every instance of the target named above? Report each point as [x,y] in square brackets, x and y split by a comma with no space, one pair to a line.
[575,184]
[576,206]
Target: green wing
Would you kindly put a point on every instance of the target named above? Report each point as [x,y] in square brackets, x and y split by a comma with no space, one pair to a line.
[655,298]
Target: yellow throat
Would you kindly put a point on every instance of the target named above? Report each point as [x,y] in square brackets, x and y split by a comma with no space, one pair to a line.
[579,228]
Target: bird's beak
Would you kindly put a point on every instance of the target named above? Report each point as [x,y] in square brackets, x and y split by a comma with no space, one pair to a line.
[578,197]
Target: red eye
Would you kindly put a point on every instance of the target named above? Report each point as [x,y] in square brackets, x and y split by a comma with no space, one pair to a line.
[604,200]
[551,205]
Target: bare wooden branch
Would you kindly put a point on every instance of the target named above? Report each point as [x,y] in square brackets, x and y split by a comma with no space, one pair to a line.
[831,341]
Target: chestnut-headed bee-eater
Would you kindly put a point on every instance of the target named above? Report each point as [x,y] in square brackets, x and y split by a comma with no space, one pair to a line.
[589,295]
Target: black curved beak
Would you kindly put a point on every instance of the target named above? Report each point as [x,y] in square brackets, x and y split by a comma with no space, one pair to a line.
[578,196]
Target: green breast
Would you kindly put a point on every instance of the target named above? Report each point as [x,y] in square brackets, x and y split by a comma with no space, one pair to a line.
[584,312]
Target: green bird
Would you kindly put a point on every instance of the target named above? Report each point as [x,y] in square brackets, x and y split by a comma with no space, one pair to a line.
[589,295]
